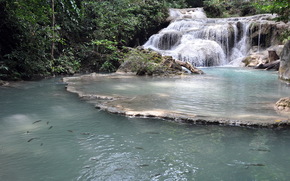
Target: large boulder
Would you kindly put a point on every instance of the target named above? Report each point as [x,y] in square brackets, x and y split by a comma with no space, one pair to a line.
[256,58]
[284,70]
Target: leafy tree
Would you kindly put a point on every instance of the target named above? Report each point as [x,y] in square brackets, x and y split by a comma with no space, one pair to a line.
[195,3]
[281,7]
[29,56]
[61,36]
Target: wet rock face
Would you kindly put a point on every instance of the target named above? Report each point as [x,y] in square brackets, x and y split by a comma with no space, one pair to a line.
[283,104]
[168,40]
[284,70]
[267,33]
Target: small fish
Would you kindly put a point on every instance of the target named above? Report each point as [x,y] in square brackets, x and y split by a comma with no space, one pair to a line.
[118,169]
[162,161]
[41,144]
[139,148]
[94,159]
[85,133]
[156,175]
[260,149]
[255,164]
[31,139]
[143,165]
[50,127]
[152,132]
[36,121]
[47,122]
[71,131]
[27,132]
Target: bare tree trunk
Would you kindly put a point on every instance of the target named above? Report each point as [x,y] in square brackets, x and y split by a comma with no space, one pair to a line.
[53,29]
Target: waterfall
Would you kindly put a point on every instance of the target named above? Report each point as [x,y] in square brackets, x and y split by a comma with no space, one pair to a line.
[202,41]
[259,36]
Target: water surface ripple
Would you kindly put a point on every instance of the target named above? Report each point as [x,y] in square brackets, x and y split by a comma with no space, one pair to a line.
[85,144]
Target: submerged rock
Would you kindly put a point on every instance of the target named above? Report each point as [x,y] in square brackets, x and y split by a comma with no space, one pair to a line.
[284,70]
[283,104]
[3,83]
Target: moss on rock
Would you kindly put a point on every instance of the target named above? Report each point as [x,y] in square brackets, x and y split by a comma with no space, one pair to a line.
[148,62]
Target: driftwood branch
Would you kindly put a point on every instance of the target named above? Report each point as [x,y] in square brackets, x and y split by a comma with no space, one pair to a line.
[269,66]
[190,67]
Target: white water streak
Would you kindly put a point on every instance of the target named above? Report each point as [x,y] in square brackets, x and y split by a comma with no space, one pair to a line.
[203,41]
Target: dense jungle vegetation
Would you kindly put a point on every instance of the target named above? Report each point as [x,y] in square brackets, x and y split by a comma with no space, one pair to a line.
[43,38]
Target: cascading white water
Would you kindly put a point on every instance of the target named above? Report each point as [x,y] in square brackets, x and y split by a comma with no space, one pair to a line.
[259,37]
[204,41]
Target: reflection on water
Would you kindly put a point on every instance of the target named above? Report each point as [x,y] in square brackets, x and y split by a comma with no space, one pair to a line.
[87,144]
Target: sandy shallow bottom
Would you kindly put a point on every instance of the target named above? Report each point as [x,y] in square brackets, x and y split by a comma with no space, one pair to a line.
[174,99]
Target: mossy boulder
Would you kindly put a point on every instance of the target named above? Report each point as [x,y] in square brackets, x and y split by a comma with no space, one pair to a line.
[148,62]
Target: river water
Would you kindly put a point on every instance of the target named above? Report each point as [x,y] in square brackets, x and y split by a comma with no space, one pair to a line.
[74,141]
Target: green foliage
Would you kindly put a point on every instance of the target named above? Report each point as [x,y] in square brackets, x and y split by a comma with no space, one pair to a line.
[195,3]
[285,36]
[107,66]
[86,35]
[281,7]
[122,20]
[104,46]
[222,8]
[30,11]
[67,63]
[144,62]
[108,54]
[213,10]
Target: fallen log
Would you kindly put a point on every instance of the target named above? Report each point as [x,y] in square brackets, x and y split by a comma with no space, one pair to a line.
[190,67]
[269,66]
